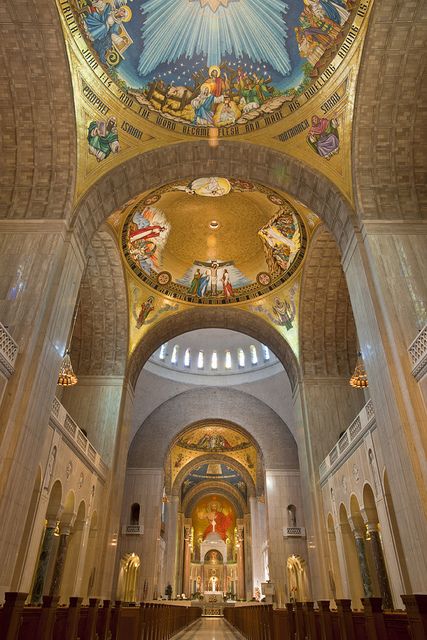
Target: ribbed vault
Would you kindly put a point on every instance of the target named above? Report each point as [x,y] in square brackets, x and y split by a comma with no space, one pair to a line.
[328,339]
[389,132]
[38,161]
[99,345]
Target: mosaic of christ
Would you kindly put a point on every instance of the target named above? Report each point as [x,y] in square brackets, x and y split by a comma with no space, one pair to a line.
[213,240]
[214,62]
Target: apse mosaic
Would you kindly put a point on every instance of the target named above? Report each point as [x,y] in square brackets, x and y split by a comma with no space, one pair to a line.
[217,440]
[214,471]
[213,240]
[213,514]
[225,64]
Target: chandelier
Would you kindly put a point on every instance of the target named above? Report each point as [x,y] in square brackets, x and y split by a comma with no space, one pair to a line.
[359,379]
[66,377]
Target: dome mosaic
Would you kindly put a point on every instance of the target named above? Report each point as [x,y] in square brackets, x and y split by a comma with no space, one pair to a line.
[192,67]
[213,240]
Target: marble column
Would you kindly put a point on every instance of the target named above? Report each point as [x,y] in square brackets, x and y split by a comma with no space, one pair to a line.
[41,264]
[380,568]
[363,563]
[240,564]
[43,563]
[383,266]
[187,559]
[61,555]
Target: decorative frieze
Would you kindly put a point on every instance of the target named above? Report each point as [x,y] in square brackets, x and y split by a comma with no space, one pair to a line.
[294,532]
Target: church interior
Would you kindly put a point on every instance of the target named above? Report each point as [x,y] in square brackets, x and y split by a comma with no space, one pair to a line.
[213,320]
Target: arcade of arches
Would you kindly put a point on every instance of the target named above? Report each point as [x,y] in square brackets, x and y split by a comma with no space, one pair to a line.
[214,233]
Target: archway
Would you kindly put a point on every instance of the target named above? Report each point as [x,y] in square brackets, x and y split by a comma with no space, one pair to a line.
[238,159]
[128,577]
[47,548]
[297,579]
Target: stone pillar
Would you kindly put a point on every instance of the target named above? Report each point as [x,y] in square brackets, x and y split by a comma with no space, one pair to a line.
[41,265]
[43,563]
[240,563]
[82,540]
[58,569]
[380,568]
[323,405]
[247,556]
[61,555]
[187,559]
[363,560]
[383,266]
[171,541]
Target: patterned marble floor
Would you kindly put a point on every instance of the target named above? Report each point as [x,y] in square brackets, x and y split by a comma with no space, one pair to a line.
[209,629]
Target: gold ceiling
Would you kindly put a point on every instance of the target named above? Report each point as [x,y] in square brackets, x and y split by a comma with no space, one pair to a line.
[145,77]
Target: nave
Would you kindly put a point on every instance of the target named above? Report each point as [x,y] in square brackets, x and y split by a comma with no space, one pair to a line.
[209,629]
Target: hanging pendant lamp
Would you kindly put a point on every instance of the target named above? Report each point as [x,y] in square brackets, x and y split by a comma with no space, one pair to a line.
[359,379]
[66,377]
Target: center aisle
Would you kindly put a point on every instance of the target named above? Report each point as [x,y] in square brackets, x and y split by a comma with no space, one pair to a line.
[209,629]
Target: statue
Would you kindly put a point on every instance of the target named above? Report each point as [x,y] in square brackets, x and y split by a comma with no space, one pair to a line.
[214,583]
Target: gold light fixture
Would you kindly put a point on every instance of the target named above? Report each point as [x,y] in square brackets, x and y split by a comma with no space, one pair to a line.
[66,377]
[359,379]
[56,531]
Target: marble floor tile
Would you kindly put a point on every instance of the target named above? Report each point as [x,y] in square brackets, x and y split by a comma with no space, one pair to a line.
[209,629]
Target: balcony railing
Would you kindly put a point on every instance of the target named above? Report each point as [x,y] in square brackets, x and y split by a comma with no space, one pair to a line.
[61,419]
[294,532]
[133,529]
[418,354]
[8,351]
[349,441]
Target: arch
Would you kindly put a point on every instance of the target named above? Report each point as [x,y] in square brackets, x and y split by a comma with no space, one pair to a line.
[128,577]
[39,164]
[135,510]
[68,513]
[389,138]
[327,331]
[297,578]
[167,421]
[231,158]
[219,489]
[231,462]
[54,506]
[292,515]
[210,318]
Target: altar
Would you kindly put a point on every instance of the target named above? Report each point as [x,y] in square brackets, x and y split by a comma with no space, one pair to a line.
[213,596]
